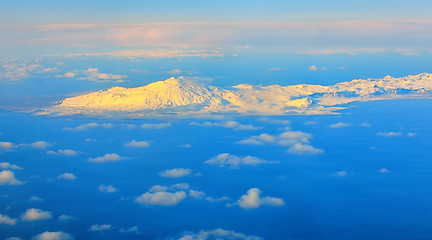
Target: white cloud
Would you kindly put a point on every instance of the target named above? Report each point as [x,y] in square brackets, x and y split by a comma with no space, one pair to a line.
[314,68]
[109,157]
[384,170]
[176,172]
[275,69]
[155,125]
[86,126]
[40,144]
[7,146]
[66,218]
[187,145]
[161,198]
[389,134]
[107,188]
[67,176]
[252,199]
[34,198]
[53,236]
[63,152]
[219,234]
[94,75]
[300,148]
[4,219]
[274,121]
[34,214]
[133,229]
[340,125]
[6,165]
[196,194]
[100,228]
[138,144]
[175,72]
[7,177]
[365,124]
[18,69]
[297,141]
[339,174]
[228,124]
[13,238]
[226,159]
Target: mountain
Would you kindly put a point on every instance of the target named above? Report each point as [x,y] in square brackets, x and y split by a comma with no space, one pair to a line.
[182,96]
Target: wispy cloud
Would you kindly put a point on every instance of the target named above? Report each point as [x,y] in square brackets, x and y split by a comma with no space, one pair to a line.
[176,172]
[228,124]
[94,75]
[226,159]
[87,126]
[100,227]
[340,125]
[314,68]
[63,152]
[155,125]
[389,134]
[107,188]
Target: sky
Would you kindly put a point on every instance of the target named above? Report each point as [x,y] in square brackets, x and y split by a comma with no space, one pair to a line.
[359,171]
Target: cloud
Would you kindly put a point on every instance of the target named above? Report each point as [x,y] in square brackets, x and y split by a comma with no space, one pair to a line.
[94,75]
[53,236]
[40,145]
[19,69]
[4,219]
[63,152]
[297,141]
[35,199]
[340,125]
[339,174]
[67,176]
[310,123]
[196,194]
[187,145]
[226,159]
[175,72]
[228,124]
[133,229]
[7,177]
[161,198]
[7,146]
[384,170]
[34,214]
[252,199]
[274,121]
[100,228]
[217,234]
[365,124]
[154,53]
[13,238]
[300,148]
[107,188]
[138,144]
[389,134]
[109,157]
[275,69]
[314,68]
[86,126]
[66,218]
[155,125]
[6,165]
[176,172]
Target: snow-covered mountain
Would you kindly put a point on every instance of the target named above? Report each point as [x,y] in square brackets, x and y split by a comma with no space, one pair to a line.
[182,96]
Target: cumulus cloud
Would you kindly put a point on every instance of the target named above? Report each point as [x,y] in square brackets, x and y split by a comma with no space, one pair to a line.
[138,144]
[384,170]
[228,124]
[217,234]
[100,228]
[314,68]
[53,236]
[109,157]
[226,159]
[6,165]
[155,125]
[252,199]
[7,177]
[66,218]
[94,75]
[40,144]
[67,176]
[34,198]
[107,188]
[7,146]
[63,152]
[19,69]
[161,198]
[133,229]
[297,141]
[300,148]
[389,134]
[339,174]
[86,126]
[176,172]
[34,214]
[340,125]
[4,219]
